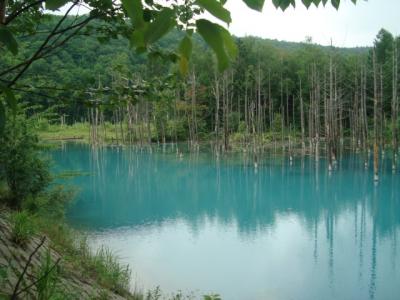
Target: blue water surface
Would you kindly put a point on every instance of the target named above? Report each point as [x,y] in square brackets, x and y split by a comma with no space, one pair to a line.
[204,225]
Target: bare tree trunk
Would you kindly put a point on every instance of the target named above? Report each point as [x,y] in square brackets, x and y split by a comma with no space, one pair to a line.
[115,119]
[259,109]
[270,102]
[316,94]
[376,149]
[381,116]
[176,118]
[121,120]
[148,123]
[225,104]
[364,119]
[302,117]
[216,91]
[395,107]
[287,106]
[356,136]
[282,106]
[103,123]
[193,107]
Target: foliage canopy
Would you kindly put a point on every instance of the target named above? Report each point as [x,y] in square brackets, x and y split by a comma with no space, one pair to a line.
[149,21]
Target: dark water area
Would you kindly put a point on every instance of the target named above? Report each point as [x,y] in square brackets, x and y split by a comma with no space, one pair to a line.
[280,231]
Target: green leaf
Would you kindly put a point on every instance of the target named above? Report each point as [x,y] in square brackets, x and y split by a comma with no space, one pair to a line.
[137,39]
[183,65]
[219,40]
[255,4]
[7,38]
[229,43]
[161,25]
[185,51]
[55,4]
[215,8]
[134,9]
[335,3]
[307,3]
[185,47]
[284,4]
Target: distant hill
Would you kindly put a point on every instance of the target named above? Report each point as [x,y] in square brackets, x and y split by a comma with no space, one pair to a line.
[86,60]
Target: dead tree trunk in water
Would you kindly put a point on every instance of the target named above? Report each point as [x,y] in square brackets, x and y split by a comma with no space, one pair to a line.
[302,117]
[287,106]
[270,103]
[282,108]
[395,107]
[356,114]
[381,116]
[148,123]
[314,107]
[363,113]
[376,148]
[225,109]
[329,116]
[259,105]
[193,109]
[216,91]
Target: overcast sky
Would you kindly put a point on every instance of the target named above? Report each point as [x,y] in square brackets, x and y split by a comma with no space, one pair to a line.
[352,25]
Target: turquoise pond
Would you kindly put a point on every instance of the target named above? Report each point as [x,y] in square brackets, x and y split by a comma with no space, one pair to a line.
[201,225]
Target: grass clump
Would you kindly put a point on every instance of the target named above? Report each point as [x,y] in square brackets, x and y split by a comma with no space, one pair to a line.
[101,266]
[109,272]
[48,273]
[22,227]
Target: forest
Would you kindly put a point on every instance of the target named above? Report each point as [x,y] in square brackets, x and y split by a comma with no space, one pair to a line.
[148,153]
[291,96]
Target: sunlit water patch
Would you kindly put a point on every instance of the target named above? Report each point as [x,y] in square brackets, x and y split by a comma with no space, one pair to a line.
[281,231]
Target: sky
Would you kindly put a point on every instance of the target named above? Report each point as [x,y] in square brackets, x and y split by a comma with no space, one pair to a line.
[350,26]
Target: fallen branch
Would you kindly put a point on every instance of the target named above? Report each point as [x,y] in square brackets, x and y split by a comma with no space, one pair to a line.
[41,278]
[15,293]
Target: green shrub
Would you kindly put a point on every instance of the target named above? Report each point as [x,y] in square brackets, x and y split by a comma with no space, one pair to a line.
[22,227]
[52,203]
[21,166]
[42,124]
[234,121]
[242,127]
[277,125]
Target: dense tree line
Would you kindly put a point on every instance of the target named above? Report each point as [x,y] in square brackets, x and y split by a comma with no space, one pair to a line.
[274,91]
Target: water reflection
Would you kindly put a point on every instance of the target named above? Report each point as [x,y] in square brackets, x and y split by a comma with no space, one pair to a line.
[280,231]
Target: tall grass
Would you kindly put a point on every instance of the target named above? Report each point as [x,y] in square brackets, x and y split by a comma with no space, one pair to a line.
[49,277]
[104,265]
[22,227]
